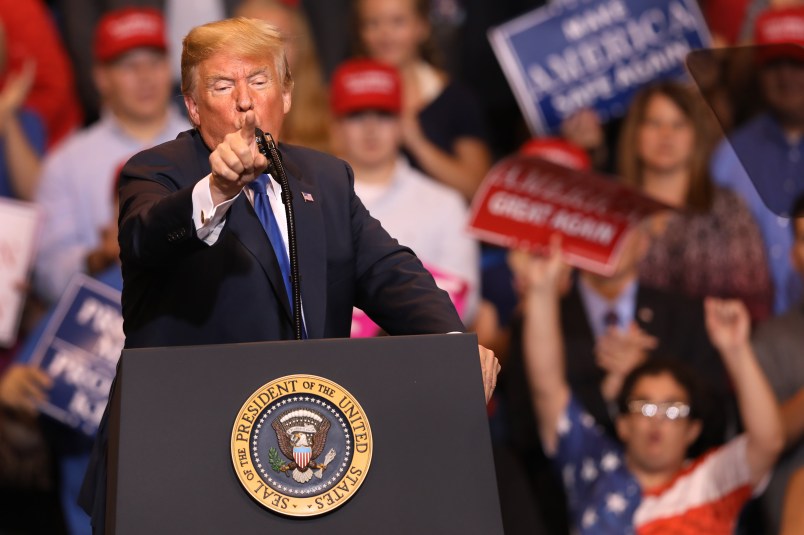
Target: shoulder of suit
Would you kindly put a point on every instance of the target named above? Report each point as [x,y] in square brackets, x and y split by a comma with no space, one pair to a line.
[183,160]
[186,144]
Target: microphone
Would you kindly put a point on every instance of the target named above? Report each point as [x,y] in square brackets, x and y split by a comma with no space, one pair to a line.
[267,147]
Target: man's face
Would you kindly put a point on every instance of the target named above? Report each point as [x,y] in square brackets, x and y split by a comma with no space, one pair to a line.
[797,251]
[370,138]
[657,444]
[137,85]
[782,83]
[226,87]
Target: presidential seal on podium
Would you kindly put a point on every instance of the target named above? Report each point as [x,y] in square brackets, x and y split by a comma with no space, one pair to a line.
[301,445]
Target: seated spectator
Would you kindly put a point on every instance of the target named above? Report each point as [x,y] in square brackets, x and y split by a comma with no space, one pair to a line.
[133,77]
[32,37]
[647,484]
[442,126]
[778,344]
[712,245]
[308,121]
[427,216]
[761,161]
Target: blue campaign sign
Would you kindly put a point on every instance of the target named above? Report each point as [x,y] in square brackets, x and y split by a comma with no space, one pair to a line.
[79,349]
[574,54]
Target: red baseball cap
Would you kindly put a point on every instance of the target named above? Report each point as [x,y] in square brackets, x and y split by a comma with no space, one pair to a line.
[125,29]
[558,151]
[779,33]
[364,84]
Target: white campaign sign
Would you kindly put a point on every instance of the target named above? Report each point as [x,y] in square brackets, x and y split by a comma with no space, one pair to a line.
[19,225]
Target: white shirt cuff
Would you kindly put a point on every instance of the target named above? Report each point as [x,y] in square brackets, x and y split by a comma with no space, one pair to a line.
[208,218]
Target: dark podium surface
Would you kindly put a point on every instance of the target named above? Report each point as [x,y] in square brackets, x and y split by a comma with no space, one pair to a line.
[431,471]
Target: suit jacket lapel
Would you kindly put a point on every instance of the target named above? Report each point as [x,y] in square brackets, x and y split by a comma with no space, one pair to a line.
[645,312]
[245,225]
[311,248]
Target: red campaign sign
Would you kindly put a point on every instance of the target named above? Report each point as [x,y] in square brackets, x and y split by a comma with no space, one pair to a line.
[524,200]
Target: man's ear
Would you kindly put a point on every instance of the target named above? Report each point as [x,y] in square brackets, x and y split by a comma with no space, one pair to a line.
[100,77]
[693,432]
[286,100]
[192,110]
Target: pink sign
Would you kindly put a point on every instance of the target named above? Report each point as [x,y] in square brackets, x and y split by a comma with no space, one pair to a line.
[456,287]
[525,200]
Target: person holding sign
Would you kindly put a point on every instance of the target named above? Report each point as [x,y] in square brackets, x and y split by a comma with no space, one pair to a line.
[201,266]
[647,484]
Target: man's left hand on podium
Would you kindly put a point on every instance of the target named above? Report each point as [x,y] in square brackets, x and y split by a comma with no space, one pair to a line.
[490,367]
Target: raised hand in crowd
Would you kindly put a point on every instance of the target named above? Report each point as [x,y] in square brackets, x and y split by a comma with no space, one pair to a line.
[618,352]
[540,278]
[585,129]
[15,90]
[729,327]
[522,263]
[23,387]
[22,160]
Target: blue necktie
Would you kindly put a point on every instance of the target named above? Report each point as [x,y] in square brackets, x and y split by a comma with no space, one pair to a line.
[611,319]
[263,208]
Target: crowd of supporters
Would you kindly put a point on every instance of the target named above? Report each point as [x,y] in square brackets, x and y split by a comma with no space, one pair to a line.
[664,397]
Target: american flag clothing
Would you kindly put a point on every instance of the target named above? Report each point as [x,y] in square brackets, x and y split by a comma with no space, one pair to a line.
[706,496]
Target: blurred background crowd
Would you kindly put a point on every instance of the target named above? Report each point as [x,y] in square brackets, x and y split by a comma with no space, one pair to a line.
[86,84]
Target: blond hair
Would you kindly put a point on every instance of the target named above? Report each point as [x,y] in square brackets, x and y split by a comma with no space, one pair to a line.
[249,38]
[308,121]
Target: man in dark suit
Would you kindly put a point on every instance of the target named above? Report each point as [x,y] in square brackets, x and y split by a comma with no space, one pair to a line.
[610,325]
[199,264]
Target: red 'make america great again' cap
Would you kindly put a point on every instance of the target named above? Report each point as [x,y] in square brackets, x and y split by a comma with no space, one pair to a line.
[125,29]
[363,84]
[779,33]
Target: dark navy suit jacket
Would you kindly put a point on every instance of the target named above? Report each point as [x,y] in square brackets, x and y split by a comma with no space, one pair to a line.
[180,291]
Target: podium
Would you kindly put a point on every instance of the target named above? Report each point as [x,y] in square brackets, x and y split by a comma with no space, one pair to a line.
[174,409]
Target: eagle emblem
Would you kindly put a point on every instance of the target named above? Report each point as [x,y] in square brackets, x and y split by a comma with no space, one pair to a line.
[301,435]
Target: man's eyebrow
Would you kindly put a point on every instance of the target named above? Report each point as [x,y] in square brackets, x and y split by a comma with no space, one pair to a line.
[215,78]
[212,80]
[258,72]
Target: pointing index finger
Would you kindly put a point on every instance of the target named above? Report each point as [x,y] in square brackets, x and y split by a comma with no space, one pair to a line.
[247,130]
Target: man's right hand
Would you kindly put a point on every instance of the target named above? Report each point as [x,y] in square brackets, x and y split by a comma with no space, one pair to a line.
[236,161]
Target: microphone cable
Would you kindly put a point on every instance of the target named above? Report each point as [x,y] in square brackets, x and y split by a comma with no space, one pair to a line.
[267,147]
